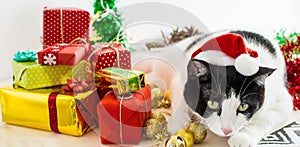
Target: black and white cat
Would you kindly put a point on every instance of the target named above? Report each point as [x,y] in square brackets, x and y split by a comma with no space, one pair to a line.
[241,107]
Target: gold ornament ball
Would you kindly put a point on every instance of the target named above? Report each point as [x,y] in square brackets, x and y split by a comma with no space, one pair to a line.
[198,130]
[168,94]
[152,122]
[158,116]
[187,136]
[151,131]
[156,97]
[167,103]
[156,92]
[175,141]
[153,127]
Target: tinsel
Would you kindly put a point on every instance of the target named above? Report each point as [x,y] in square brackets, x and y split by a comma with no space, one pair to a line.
[290,47]
[100,5]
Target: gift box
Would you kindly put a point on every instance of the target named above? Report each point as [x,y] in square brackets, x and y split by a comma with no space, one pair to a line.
[48,109]
[114,55]
[121,80]
[62,54]
[121,119]
[31,75]
[63,25]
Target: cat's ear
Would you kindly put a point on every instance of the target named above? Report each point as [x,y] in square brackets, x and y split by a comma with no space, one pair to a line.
[265,71]
[262,74]
[197,68]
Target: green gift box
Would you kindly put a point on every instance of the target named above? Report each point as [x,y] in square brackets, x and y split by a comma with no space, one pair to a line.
[31,75]
[121,80]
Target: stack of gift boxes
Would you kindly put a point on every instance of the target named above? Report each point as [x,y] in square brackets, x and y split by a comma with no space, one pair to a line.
[74,87]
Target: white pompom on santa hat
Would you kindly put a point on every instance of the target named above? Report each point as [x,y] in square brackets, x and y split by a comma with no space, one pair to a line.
[233,45]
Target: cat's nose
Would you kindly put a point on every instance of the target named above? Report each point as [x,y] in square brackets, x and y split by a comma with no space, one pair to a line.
[226,131]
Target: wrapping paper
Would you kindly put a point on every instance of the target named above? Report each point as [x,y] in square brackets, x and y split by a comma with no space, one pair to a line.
[122,121]
[121,80]
[37,109]
[62,54]
[31,75]
[63,25]
[112,56]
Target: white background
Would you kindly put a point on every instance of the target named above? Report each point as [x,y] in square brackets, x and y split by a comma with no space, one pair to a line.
[21,20]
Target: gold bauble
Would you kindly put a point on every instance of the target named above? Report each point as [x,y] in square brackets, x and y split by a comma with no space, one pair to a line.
[158,116]
[152,128]
[167,103]
[157,92]
[168,94]
[156,97]
[187,136]
[198,130]
[175,141]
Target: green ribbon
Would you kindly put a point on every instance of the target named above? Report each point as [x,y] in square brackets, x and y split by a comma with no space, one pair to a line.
[25,56]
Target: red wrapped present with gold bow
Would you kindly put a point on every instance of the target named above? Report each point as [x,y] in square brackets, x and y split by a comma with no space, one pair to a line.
[62,54]
[63,25]
[113,55]
[122,117]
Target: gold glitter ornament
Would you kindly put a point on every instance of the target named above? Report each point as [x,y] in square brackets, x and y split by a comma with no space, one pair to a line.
[187,136]
[153,127]
[198,130]
[175,141]
[156,96]
[168,94]
[167,103]
[158,116]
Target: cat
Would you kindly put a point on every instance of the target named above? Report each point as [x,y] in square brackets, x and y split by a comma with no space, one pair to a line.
[240,108]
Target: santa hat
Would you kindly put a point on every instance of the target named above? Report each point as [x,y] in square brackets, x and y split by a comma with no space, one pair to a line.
[233,46]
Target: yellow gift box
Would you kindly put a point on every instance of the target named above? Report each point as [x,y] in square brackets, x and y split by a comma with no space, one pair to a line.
[31,75]
[47,110]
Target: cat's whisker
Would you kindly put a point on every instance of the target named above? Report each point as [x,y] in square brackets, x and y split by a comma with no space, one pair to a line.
[218,94]
[223,77]
[252,94]
[242,85]
[248,86]
[216,84]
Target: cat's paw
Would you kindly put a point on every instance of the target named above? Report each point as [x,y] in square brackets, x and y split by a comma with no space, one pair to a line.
[241,139]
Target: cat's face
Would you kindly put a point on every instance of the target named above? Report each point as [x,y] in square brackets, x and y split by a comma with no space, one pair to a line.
[226,99]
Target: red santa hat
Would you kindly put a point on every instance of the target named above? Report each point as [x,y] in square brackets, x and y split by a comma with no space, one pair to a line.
[232,45]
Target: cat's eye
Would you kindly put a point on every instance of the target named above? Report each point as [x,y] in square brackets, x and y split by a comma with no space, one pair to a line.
[212,104]
[243,107]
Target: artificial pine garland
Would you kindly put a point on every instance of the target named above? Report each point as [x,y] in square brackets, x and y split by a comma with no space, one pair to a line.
[290,47]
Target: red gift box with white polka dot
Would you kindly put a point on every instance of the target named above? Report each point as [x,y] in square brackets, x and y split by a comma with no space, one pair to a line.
[107,57]
[63,25]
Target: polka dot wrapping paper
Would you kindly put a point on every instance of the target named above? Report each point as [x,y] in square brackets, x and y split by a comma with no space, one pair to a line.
[62,54]
[63,25]
[31,75]
[107,57]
